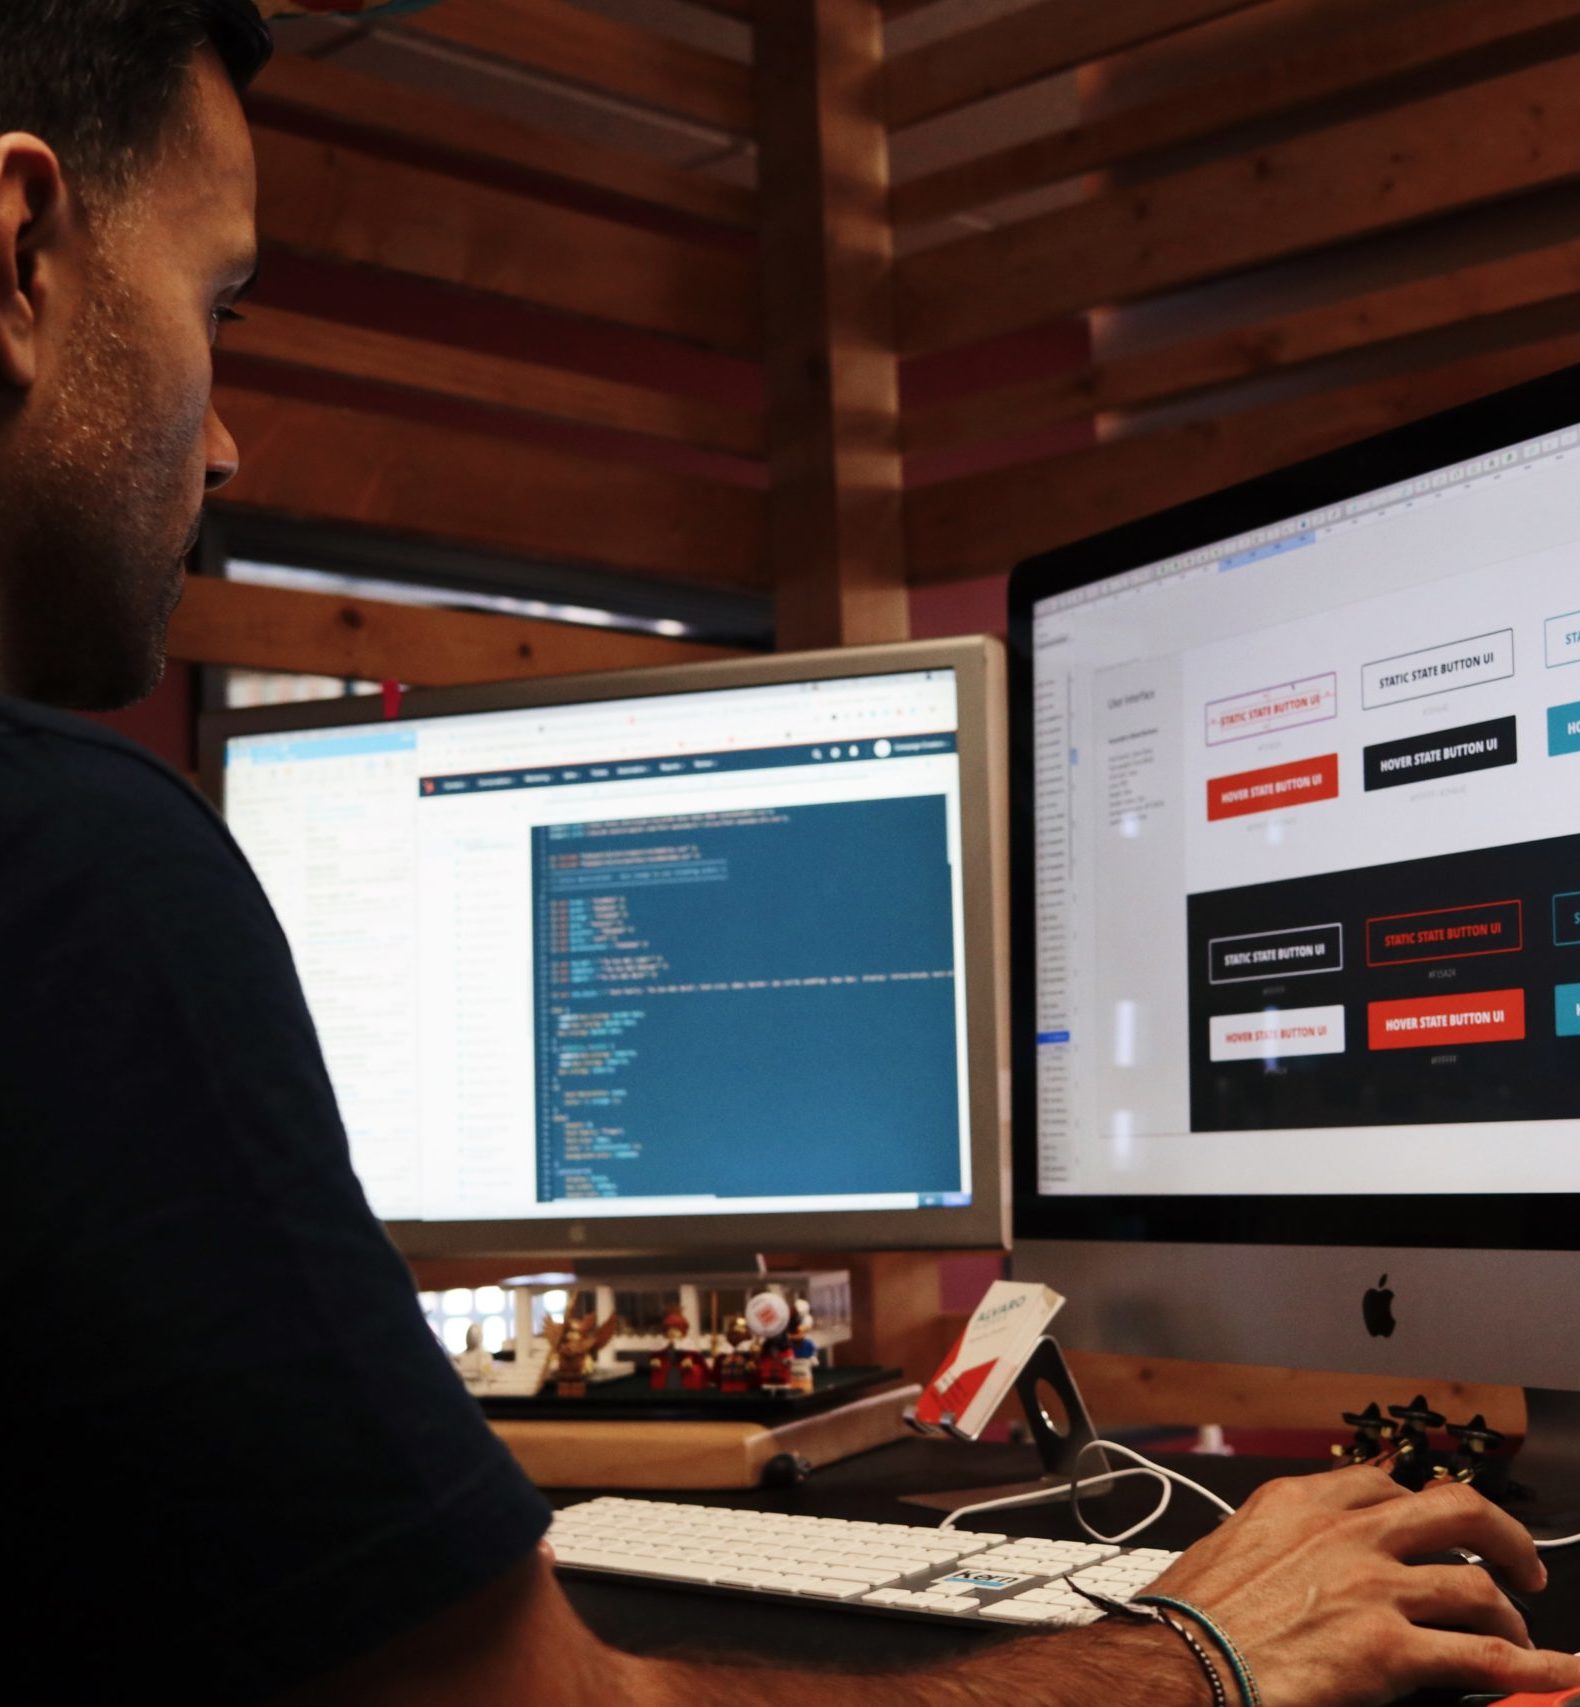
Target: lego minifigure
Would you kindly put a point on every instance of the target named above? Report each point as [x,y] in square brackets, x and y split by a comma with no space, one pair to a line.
[677,1368]
[574,1343]
[770,1318]
[475,1364]
[735,1371]
[803,1349]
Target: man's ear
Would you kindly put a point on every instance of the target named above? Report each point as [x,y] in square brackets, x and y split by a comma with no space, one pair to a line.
[33,220]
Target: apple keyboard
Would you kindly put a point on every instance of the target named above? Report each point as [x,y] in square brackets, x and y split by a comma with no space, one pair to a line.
[940,1574]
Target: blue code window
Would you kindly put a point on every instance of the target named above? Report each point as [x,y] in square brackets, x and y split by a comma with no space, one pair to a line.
[748,1003]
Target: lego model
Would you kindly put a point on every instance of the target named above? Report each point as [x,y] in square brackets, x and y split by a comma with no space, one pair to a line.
[642,1301]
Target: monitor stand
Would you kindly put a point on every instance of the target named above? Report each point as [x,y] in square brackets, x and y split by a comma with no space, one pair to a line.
[1547,1467]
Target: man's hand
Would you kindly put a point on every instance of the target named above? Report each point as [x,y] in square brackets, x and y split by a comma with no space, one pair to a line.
[1311,1581]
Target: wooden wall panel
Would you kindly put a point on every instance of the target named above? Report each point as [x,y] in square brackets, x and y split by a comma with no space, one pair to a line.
[233,624]
[1028,44]
[569,42]
[333,201]
[342,465]
[1349,61]
[1487,302]
[446,370]
[986,523]
[1495,139]
[294,84]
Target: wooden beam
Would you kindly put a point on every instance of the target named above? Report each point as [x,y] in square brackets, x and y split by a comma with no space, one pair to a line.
[1028,44]
[833,382]
[1487,297]
[275,628]
[1495,139]
[357,352]
[335,201]
[342,465]
[985,523]
[577,46]
[296,83]
[1390,48]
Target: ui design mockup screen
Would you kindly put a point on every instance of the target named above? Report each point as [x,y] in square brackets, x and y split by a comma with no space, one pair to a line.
[1308,851]
[695,954]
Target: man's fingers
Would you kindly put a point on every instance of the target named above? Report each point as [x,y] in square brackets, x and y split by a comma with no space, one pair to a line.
[1353,1488]
[1433,1659]
[1459,1597]
[1441,1518]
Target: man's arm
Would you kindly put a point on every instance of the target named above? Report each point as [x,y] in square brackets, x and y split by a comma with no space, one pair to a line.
[1309,1579]
[521,1642]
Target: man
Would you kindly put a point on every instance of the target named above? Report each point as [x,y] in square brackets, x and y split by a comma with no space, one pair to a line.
[256,1477]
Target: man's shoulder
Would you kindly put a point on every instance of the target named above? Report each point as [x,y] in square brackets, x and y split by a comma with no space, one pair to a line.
[50,757]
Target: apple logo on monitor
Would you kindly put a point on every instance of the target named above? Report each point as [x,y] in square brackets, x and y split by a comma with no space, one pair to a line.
[1377,1309]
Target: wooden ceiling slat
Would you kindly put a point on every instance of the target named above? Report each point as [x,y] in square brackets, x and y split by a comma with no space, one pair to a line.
[1471,296]
[1031,43]
[1390,48]
[331,91]
[335,201]
[357,352]
[343,465]
[985,523]
[244,627]
[1473,145]
[566,41]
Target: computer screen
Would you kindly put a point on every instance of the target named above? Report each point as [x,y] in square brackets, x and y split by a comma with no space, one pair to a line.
[644,962]
[1297,843]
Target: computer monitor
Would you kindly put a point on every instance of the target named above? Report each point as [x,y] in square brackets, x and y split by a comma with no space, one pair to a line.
[694,960]
[1296,911]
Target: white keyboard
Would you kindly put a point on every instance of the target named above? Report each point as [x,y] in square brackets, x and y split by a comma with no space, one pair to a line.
[948,1574]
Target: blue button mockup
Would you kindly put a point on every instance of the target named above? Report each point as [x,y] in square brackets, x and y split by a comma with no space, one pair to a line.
[1566,1000]
[1563,728]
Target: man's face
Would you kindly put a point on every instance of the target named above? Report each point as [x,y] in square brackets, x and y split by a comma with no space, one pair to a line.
[116,441]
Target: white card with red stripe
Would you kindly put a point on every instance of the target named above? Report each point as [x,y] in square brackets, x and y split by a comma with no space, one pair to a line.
[973,1380]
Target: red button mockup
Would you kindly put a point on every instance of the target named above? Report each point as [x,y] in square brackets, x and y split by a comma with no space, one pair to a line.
[1274,786]
[1434,1022]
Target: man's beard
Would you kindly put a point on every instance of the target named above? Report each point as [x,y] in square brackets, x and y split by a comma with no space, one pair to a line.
[98,522]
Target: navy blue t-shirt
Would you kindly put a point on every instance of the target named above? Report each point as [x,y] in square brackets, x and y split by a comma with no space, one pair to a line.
[232,1455]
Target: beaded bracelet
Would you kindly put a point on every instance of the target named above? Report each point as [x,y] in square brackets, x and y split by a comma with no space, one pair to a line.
[1250,1695]
[1152,1615]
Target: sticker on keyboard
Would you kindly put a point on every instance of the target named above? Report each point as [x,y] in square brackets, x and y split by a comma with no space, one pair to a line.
[985,1579]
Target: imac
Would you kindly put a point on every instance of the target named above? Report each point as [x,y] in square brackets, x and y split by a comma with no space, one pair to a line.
[1295,845]
[698,961]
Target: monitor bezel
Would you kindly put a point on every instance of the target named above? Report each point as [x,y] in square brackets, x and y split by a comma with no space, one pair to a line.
[1460,1221]
[978,663]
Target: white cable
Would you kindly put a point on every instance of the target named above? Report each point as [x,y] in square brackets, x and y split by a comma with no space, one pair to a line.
[1558,1541]
[1169,1480]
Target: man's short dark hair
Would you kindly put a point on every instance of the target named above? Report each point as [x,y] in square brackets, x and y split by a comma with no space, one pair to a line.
[99,80]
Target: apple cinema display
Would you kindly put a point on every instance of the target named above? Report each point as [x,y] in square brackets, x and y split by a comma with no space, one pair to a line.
[1295,846]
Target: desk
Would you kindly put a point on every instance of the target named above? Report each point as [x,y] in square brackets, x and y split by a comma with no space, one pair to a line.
[648,1617]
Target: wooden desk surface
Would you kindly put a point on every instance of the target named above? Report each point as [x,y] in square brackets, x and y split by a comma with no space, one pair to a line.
[648,1617]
